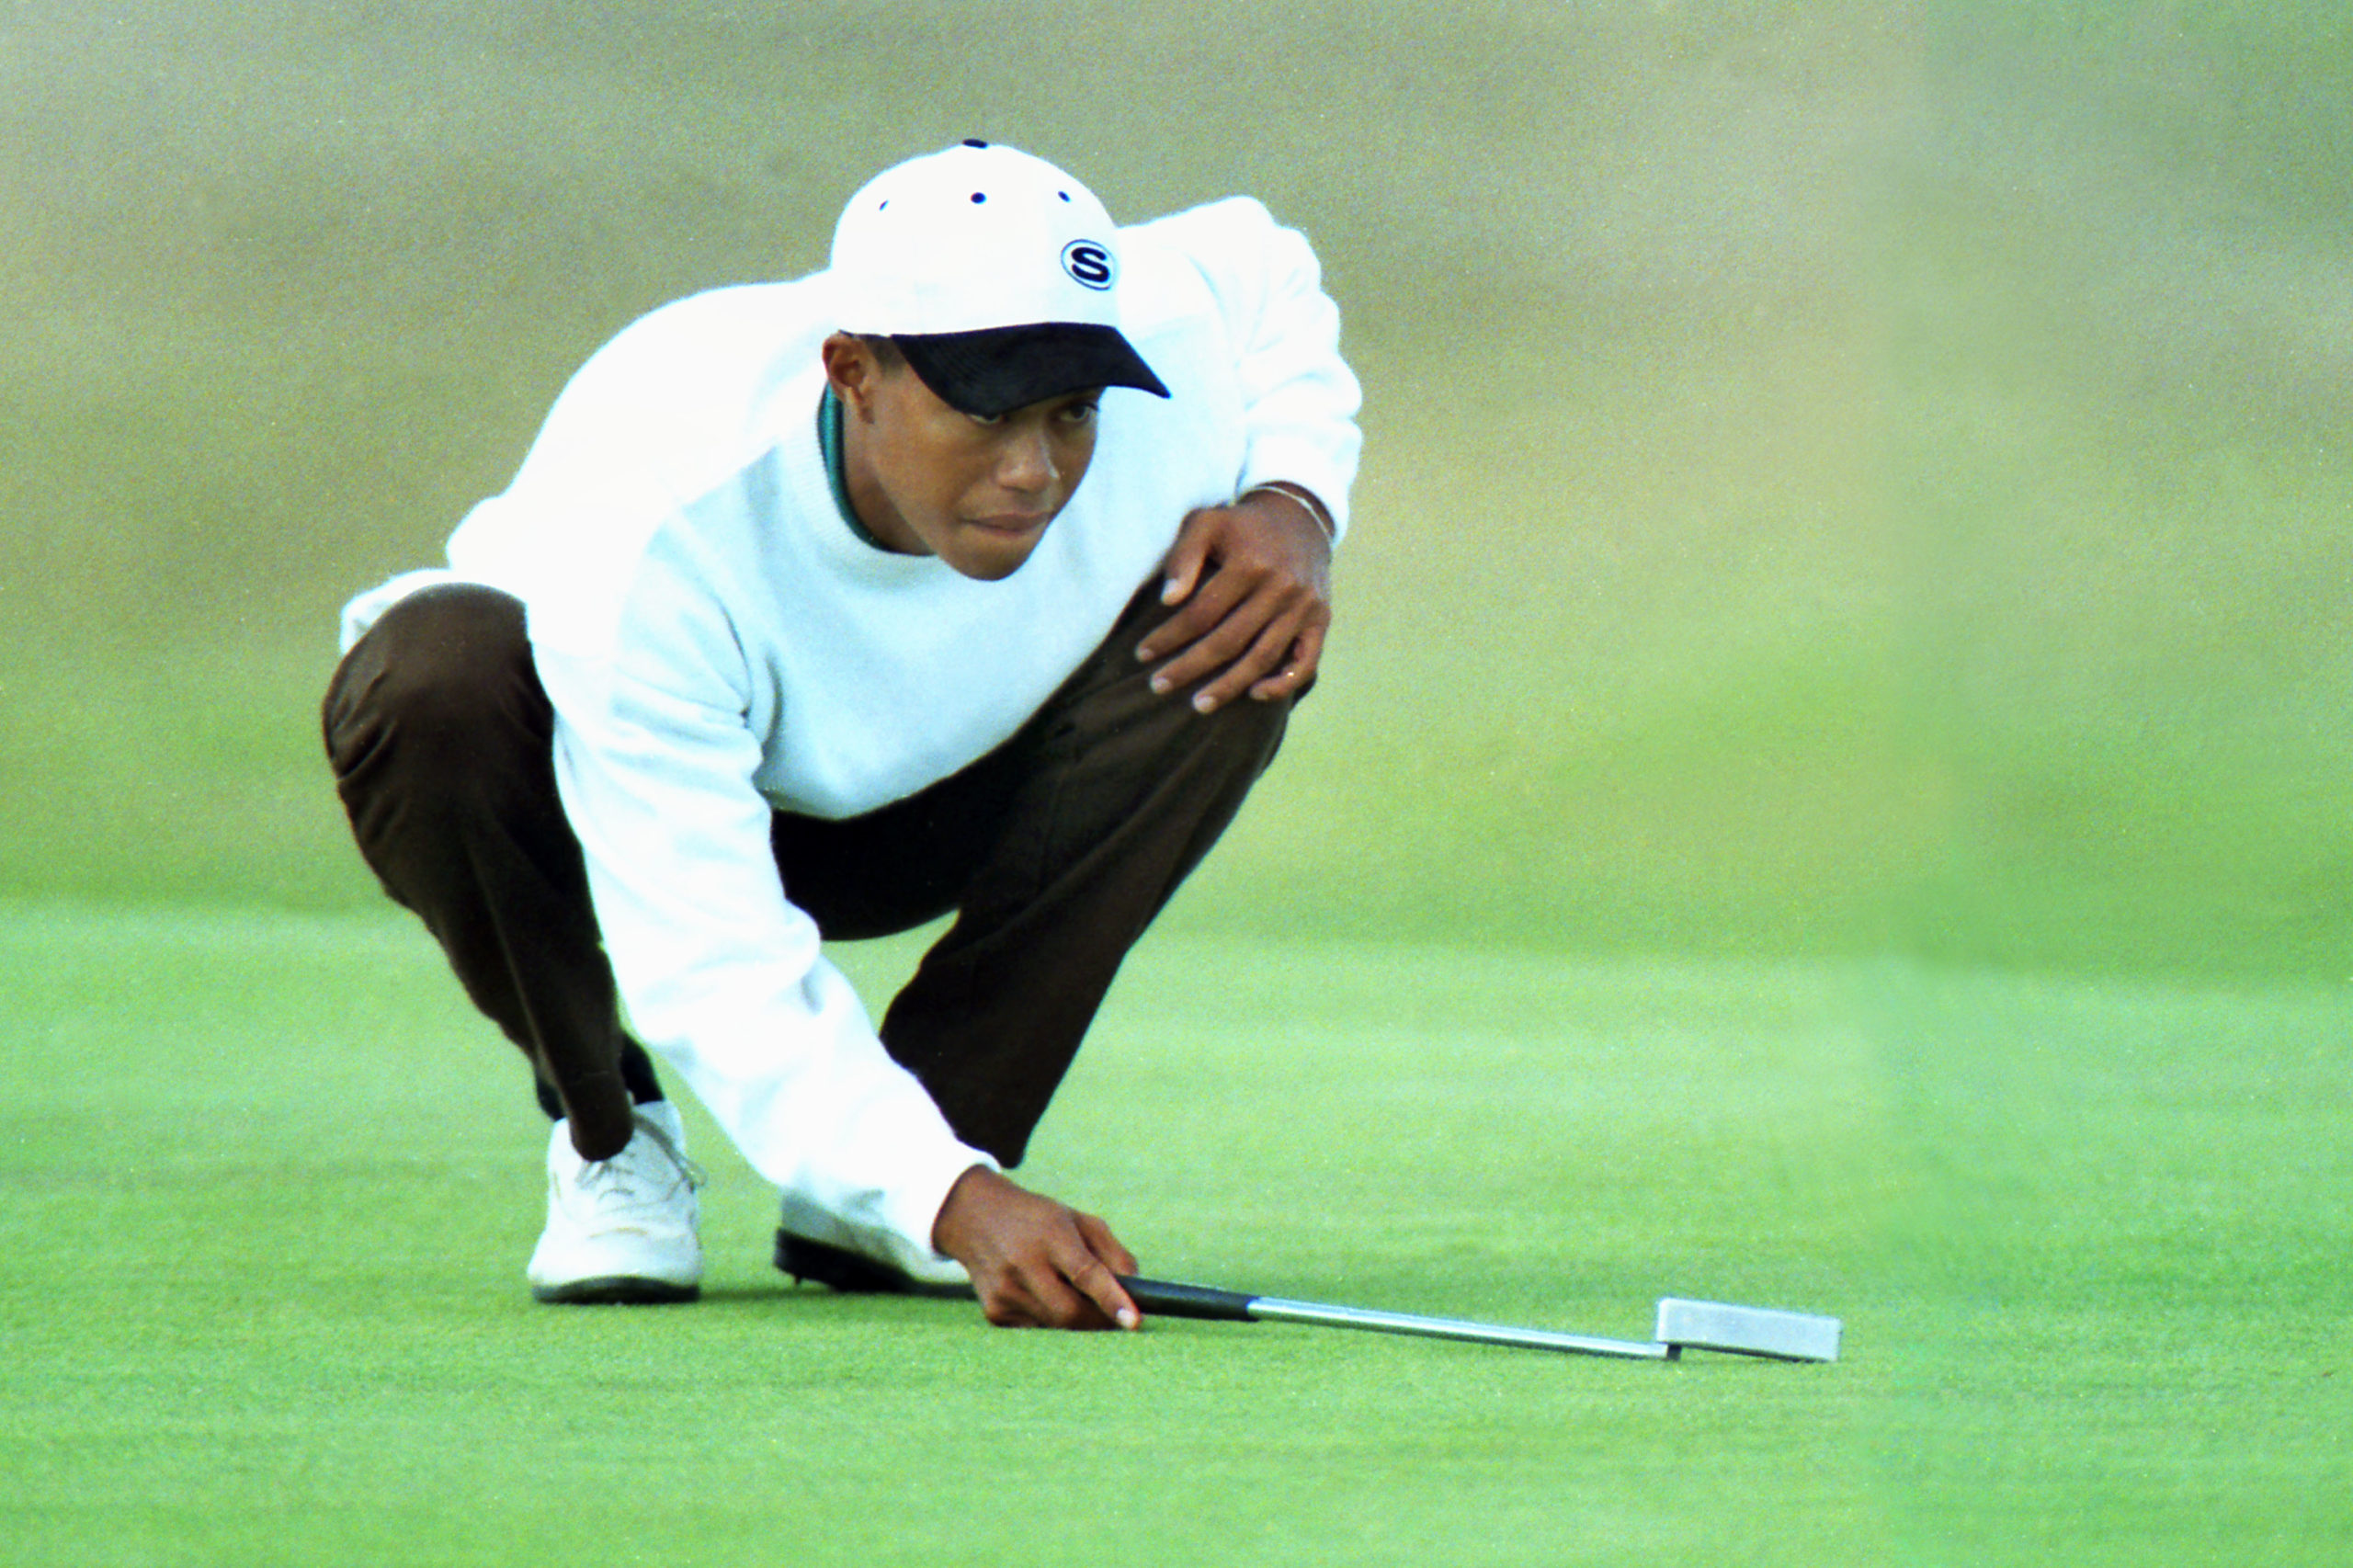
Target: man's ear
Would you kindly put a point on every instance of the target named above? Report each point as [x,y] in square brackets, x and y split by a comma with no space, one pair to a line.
[851,367]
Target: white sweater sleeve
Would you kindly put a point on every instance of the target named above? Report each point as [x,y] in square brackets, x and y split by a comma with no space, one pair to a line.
[1299,397]
[722,976]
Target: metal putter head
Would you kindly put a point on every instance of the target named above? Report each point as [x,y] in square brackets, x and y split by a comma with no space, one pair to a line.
[1745,1331]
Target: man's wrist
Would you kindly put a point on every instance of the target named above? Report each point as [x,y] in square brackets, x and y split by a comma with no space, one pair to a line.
[945,1239]
[1301,497]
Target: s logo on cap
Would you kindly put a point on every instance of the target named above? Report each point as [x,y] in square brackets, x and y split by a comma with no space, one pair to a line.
[1088,264]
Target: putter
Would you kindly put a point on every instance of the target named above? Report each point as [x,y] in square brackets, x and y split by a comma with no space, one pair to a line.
[1682,1325]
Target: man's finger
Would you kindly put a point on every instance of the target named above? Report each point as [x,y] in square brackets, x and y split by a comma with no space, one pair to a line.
[1069,1294]
[1182,571]
[1104,1244]
[1203,614]
[1265,654]
[1217,648]
[1306,658]
[1095,1280]
[1007,1307]
[1033,1297]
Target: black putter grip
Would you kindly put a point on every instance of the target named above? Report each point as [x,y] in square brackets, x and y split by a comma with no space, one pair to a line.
[1173,1300]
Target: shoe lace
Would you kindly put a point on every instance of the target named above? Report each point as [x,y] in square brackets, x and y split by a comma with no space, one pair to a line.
[617,1177]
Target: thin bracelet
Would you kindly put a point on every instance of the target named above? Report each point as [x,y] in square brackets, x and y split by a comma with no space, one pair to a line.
[1322,525]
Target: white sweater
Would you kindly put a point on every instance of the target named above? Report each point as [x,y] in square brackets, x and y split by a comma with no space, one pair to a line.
[719,646]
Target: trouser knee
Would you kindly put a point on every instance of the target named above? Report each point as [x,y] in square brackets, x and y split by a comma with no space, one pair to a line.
[440,699]
[1242,738]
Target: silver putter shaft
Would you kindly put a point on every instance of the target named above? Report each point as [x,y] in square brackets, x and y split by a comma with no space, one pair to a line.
[1699,1326]
[1274,1309]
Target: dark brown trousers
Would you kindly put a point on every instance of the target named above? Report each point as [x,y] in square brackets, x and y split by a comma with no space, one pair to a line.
[1055,851]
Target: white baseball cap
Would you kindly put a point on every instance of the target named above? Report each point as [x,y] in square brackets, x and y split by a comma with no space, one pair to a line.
[995,272]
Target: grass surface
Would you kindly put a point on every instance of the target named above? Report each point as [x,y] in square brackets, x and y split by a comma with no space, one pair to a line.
[2087,1239]
[1830,788]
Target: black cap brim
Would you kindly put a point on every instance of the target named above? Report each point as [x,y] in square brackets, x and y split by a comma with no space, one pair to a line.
[996,372]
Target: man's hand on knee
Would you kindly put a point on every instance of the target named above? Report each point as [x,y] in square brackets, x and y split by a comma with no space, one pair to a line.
[1255,580]
[1035,1263]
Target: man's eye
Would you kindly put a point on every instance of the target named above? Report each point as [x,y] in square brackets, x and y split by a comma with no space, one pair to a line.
[987,418]
[1079,413]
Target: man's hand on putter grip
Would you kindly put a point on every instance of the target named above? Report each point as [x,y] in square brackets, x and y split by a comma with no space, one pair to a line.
[1035,1263]
[1255,580]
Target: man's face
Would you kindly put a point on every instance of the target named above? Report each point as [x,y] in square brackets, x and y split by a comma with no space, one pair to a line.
[927,480]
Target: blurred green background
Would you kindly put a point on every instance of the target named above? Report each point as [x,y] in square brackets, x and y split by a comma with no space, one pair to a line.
[1840,477]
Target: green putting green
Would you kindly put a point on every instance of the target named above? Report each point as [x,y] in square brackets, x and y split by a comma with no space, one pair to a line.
[273,1186]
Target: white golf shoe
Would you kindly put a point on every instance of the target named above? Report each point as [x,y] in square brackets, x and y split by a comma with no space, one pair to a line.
[622,1230]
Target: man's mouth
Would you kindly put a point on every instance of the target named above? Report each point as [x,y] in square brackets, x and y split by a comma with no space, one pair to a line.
[1013,523]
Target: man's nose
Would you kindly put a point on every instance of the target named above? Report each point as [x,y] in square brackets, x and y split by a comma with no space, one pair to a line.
[1027,463]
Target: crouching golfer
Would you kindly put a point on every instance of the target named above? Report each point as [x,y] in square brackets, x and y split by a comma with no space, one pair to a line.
[976,573]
